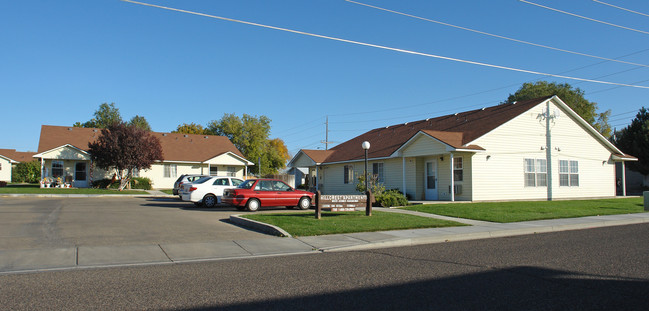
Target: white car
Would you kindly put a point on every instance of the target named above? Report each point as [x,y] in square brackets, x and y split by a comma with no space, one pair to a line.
[208,190]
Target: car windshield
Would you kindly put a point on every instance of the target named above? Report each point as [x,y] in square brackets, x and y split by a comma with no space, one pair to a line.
[247,184]
[202,180]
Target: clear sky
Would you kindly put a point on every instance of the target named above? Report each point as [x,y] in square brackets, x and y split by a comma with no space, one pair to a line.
[59,60]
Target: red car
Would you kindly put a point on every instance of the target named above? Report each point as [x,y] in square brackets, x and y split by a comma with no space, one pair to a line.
[255,193]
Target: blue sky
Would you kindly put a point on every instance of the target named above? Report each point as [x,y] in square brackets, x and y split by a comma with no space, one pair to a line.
[61,59]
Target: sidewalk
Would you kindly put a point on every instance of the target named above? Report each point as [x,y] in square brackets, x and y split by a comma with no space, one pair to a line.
[14,261]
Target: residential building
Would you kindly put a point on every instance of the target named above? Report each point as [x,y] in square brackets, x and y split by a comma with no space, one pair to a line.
[8,159]
[63,152]
[537,149]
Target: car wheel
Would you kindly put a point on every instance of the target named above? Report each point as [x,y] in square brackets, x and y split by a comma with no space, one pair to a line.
[252,205]
[304,203]
[209,200]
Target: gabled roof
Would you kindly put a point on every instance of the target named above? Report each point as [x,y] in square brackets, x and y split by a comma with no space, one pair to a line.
[456,130]
[175,147]
[17,156]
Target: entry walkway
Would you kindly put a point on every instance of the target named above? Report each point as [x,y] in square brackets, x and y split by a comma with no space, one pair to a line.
[32,260]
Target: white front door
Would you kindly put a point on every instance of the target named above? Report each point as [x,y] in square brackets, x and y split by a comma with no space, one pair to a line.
[430,182]
[80,175]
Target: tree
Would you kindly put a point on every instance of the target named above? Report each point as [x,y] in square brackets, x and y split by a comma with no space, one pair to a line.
[634,140]
[250,135]
[574,98]
[125,148]
[104,116]
[191,128]
[140,122]
[27,172]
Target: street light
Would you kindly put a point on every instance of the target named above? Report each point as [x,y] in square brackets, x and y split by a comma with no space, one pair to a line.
[368,209]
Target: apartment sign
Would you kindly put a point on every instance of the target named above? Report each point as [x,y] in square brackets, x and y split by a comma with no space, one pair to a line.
[342,203]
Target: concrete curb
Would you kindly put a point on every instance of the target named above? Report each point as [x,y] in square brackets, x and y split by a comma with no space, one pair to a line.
[259,226]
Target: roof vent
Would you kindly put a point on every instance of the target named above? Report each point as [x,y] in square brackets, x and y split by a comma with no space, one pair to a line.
[69,129]
[206,137]
[405,123]
[95,130]
[456,113]
[185,135]
[428,119]
[514,103]
[483,108]
[164,134]
[387,126]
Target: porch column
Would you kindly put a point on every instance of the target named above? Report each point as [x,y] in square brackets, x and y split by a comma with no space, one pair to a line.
[623,179]
[43,165]
[452,179]
[403,162]
[245,171]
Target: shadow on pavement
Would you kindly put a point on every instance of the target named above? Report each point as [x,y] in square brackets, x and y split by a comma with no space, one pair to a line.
[519,288]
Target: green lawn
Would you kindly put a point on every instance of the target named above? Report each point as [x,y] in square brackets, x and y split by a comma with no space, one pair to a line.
[522,211]
[305,224]
[167,191]
[35,189]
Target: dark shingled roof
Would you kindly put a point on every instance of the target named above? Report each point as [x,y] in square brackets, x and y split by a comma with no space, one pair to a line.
[175,147]
[455,130]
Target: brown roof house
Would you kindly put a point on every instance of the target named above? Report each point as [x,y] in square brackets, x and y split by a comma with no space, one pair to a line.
[528,150]
[9,158]
[63,152]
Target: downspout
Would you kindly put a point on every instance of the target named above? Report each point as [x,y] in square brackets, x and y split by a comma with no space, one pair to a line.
[623,179]
[452,180]
[403,161]
[548,149]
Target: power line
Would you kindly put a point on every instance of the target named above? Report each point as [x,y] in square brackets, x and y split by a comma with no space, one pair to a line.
[497,36]
[584,17]
[621,8]
[386,47]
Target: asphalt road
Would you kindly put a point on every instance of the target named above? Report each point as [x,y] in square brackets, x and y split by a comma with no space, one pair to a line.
[32,223]
[595,269]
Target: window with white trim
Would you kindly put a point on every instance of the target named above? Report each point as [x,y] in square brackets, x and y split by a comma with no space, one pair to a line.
[232,171]
[536,173]
[377,170]
[568,173]
[348,174]
[170,170]
[57,168]
[458,169]
[214,170]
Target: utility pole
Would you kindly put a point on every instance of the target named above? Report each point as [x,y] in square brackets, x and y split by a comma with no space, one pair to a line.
[326,141]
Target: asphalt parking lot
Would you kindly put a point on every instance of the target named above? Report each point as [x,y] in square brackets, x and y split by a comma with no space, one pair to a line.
[36,223]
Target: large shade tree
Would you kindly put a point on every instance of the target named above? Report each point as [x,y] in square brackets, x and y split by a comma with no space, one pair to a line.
[573,97]
[108,114]
[250,135]
[634,140]
[191,128]
[125,149]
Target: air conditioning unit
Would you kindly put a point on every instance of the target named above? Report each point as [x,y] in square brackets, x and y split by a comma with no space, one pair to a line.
[457,188]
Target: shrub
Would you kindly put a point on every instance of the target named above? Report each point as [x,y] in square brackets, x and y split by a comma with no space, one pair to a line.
[136,183]
[3,184]
[140,183]
[29,172]
[391,198]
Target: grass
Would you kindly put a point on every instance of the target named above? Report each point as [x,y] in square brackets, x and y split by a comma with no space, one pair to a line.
[36,189]
[522,211]
[167,191]
[305,224]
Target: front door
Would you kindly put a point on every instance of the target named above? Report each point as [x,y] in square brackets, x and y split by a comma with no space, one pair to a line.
[430,182]
[80,175]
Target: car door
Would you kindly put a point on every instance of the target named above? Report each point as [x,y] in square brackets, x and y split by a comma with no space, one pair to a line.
[219,185]
[265,193]
[285,196]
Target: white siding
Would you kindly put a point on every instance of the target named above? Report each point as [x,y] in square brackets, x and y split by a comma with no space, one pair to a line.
[424,145]
[5,170]
[303,161]
[66,153]
[499,173]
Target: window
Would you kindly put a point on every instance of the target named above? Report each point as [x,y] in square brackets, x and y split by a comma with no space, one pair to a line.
[236,182]
[214,171]
[280,186]
[170,170]
[221,182]
[458,169]
[232,171]
[568,173]
[264,185]
[536,173]
[377,171]
[348,174]
[57,168]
